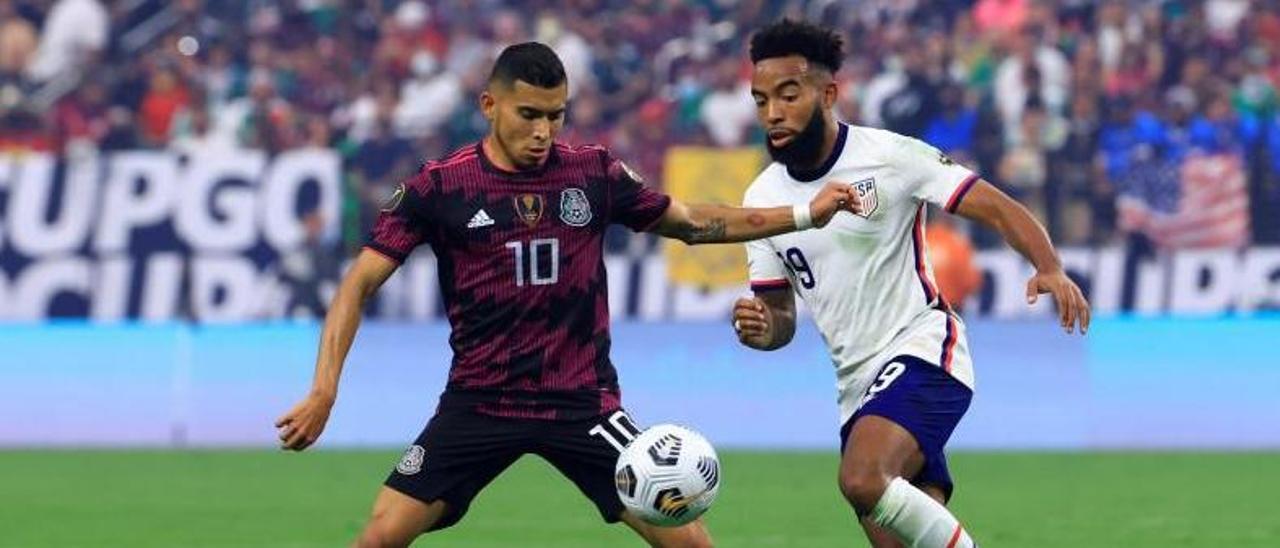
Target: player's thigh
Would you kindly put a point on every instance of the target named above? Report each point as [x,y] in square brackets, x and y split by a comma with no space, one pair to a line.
[904,421]
[398,518]
[455,457]
[878,444]
[587,452]
[690,535]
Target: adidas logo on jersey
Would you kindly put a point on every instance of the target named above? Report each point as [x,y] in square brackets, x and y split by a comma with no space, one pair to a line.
[480,219]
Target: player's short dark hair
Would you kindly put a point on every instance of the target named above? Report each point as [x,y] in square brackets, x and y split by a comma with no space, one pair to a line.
[531,62]
[815,43]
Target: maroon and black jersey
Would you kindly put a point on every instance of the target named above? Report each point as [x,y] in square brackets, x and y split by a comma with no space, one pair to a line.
[522,274]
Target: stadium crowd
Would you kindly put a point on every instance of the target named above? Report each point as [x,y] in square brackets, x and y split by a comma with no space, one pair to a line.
[1073,106]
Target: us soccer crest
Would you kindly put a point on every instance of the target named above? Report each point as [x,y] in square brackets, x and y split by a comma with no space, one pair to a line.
[575,209]
[865,192]
[529,208]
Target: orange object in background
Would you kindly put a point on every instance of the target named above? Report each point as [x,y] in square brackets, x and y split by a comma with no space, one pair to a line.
[952,258]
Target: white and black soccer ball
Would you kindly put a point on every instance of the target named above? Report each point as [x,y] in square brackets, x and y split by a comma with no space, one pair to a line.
[668,475]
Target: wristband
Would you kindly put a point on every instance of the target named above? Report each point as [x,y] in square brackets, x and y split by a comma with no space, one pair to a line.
[803,219]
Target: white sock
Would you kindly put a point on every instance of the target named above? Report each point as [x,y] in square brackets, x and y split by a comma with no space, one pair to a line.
[917,519]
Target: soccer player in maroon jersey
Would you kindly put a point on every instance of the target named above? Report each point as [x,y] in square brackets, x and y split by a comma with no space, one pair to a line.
[516,222]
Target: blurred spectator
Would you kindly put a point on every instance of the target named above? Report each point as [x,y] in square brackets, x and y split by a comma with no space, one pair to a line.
[18,40]
[80,119]
[585,123]
[728,111]
[1082,196]
[1220,129]
[306,268]
[428,99]
[1024,169]
[165,97]
[910,108]
[952,129]
[379,162]
[73,35]
[193,132]
[263,119]
[1000,16]
[1031,69]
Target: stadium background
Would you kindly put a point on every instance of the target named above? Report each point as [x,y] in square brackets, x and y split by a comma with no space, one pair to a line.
[181,183]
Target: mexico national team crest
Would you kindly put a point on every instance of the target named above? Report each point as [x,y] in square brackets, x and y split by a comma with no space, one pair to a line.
[865,192]
[411,462]
[575,210]
[529,208]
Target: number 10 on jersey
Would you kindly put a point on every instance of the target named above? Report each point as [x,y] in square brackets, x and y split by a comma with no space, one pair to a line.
[538,262]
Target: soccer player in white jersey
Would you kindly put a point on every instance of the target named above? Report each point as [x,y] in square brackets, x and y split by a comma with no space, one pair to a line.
[903,371]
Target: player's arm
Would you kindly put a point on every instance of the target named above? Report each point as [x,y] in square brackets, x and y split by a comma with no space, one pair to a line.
[766,321]
[706,224]
[302,425]
[988,205]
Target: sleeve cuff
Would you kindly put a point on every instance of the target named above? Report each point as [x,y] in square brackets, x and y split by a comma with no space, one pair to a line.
[770,285]
[960,192]
[647,227]
[387,252]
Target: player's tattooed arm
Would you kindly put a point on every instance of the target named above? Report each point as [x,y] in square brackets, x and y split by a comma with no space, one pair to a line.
[766,321]
[707,224]
[302,425]
[988,205]
[695,224]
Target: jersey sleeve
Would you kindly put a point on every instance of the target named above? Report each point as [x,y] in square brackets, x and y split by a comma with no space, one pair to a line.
[631,202]
[764,268]
[930,175]
[401,224]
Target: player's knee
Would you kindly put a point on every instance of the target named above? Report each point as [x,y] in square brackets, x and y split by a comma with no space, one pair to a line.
[690,539]
[693,535]
[381,533]
[863,486]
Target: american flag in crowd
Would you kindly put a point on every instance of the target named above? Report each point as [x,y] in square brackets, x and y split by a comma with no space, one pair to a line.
[1198,202]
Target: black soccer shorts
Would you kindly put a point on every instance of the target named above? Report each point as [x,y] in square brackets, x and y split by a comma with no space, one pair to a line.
[460,452]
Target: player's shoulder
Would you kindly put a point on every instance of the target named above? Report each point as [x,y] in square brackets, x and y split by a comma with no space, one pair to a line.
[894,148]
[875,141]
[589,156]
[459,157]
[765,187]
[448,167]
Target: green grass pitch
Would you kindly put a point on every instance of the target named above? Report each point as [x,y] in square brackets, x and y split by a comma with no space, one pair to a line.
[74,498]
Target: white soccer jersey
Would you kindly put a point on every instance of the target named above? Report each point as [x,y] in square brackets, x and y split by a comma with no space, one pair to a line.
[867,280]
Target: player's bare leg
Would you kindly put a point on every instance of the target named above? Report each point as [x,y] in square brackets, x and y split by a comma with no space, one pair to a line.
[691,535]
[398,519]
[878,453]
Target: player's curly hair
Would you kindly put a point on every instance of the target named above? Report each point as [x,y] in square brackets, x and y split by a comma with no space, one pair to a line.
[818,44]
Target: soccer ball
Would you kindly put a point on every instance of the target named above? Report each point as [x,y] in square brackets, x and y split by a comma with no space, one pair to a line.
[668,475]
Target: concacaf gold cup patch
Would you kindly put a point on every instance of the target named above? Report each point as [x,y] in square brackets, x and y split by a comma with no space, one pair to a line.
[396,197]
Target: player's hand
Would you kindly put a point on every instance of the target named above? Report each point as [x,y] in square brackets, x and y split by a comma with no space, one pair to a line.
[753,322]
[1072,306]
[302,425]
[833,197]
